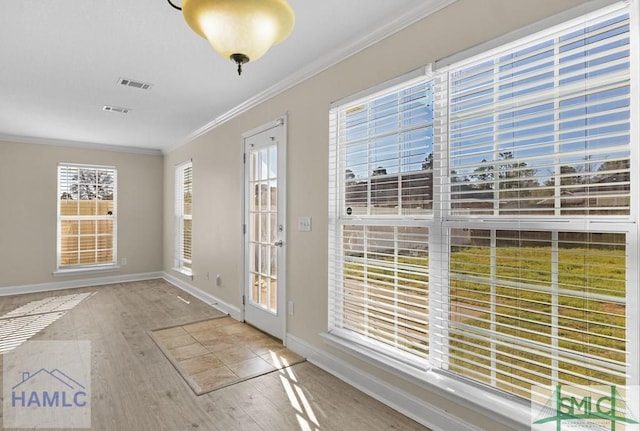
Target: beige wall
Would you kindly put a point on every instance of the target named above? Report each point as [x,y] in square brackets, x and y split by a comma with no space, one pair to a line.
[218,170]
[28,181]
[145,182]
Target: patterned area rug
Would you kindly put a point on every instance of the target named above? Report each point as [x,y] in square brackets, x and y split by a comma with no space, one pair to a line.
[220,352]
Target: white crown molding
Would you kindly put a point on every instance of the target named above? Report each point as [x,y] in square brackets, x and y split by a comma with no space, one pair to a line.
[410,16]
[203,296]
[73,284]
[79,144]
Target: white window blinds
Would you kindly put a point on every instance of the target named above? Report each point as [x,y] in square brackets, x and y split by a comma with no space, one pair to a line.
[484,223]
[539,142]
[543,128]
[537,308]
[383,151]
[86,216]
[184,216]
[386,151]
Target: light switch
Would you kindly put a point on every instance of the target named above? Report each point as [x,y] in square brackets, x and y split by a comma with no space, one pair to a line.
[304,224]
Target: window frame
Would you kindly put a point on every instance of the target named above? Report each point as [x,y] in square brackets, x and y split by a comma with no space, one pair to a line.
[435,376]
[340,218]
[60,218]
[181,263]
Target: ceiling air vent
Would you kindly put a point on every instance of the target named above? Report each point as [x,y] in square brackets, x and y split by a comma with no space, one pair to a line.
[135,84]
[116,109]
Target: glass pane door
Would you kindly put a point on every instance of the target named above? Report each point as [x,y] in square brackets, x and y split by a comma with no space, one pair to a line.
[265,245]
[263,226]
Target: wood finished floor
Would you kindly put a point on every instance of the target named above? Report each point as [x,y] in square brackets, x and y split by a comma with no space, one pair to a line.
[135,387]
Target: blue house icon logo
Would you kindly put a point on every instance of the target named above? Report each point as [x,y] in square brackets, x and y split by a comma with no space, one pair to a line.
[48,389]
[47,384]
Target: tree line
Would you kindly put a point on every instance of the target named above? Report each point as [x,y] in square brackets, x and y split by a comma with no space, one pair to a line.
[506,174]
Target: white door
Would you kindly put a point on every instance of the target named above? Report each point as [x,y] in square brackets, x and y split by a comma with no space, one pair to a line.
[265,243]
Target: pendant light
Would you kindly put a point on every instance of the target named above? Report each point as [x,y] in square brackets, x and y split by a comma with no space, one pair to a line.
[241,30]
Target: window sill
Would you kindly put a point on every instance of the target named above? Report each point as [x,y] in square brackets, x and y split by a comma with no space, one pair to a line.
[184,272]
[508,410]
[85,270]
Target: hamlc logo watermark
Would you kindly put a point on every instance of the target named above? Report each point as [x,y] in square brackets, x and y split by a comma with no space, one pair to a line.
[47,384]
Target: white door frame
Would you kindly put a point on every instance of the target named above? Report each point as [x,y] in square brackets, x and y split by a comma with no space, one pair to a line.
[281,205]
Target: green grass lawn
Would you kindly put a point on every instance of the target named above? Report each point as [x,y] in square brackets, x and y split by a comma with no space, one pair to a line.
[584,286]
[587,330]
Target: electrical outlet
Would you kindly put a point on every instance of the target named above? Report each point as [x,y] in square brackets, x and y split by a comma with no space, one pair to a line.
[291,308]
[123,261]
[218,280]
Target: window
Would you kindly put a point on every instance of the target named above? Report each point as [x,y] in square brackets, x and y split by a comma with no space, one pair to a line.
[86,217]
[493,237]
[383,172]
[539,172]
[184,217]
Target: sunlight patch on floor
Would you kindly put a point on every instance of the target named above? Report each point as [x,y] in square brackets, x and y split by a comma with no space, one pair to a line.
[304,412]
[19,325]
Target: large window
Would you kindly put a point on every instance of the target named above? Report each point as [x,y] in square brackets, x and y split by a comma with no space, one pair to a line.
[482,220]
[383,148]
[184,217]
[86,216]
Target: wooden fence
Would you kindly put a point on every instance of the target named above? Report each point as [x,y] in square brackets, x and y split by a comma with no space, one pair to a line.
[86,242]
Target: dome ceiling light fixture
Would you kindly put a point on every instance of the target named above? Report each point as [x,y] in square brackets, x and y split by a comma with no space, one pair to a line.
[241,30]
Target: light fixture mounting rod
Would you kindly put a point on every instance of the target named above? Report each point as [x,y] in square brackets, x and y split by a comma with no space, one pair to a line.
[239,59]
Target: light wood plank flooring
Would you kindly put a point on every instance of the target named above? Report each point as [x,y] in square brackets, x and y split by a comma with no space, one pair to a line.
[135,387]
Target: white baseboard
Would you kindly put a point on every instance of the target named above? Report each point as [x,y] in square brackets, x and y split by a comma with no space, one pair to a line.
[72,284]
[205,297]
[399,400]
